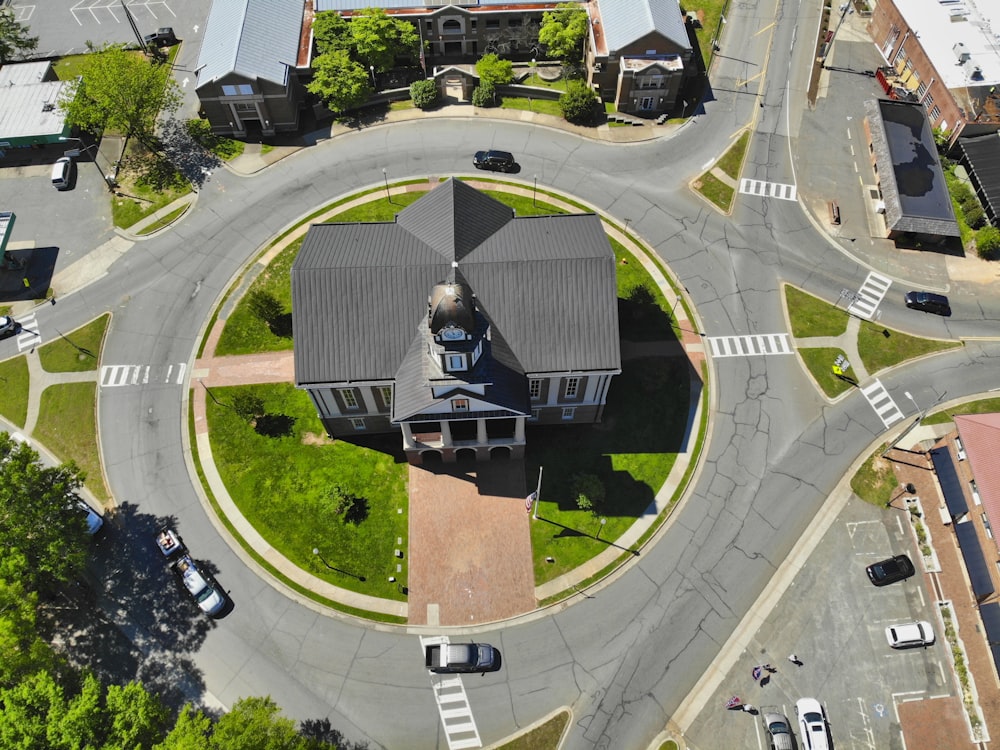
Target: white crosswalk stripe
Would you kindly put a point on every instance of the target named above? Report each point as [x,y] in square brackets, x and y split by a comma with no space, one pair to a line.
[115,376]
[882,403]
[767,189]
[29,336]
[869,296]
[748,346]
[453,705]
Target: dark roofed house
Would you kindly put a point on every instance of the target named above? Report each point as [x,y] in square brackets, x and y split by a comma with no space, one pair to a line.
[247,81]
[908,171]
[458,324]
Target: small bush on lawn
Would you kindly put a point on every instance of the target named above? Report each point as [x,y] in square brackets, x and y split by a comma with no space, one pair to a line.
[579,103]
[484,95]
[988,243]
[424,93]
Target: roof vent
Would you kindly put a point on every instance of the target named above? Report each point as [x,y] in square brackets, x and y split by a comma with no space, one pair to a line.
[48,107]
[961,52]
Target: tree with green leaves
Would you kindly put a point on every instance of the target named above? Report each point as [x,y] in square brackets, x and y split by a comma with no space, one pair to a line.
[123,91]
[484,95]
[136,717]
[190,731]
[562,32]
[578,103]
[257,724]
[22,652]
[15,43]
[332,33]
[988,242]
[37,515]
[494,71]
[379,38]
[340,82]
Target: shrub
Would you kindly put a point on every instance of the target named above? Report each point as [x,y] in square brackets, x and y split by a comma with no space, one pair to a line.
[424,93]
[265,306]
[248,405]
[975,216]
[493,71]
[579,103]
[484,95]
[988,242]
[589,492]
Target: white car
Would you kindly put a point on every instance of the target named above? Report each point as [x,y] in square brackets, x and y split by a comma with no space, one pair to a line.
[812,724]
[208,596]
[910,634]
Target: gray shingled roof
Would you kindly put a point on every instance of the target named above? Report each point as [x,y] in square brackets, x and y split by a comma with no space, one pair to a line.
[626,21]
[360,291]
[913,186]
[253,38]
[343,5]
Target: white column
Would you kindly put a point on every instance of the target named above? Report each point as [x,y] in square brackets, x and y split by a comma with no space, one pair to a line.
[445,434]
[519,429]
[408,441]
[481,437]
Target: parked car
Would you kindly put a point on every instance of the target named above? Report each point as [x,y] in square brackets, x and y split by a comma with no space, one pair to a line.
[162,38]
[777,728]
[94,520]
[894,569]
[62,173]
[928,302]
[910,634]
[496,161]
[812,724]
[207,596]
[458,658]
[8,326]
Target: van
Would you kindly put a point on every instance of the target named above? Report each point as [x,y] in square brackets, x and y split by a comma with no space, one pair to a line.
[62,173]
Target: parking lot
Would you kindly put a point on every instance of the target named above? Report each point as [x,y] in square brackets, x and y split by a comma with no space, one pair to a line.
[834,620]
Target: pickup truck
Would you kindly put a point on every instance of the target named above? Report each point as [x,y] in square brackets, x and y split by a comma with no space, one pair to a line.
[207,594]
[451,658]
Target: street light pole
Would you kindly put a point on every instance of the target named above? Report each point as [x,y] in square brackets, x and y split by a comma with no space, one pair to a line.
[385,176]
[371,69]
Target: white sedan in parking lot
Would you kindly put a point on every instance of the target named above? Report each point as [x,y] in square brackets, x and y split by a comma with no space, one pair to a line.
[910,634]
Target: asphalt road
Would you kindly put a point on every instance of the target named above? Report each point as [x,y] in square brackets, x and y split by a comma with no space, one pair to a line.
[626,658]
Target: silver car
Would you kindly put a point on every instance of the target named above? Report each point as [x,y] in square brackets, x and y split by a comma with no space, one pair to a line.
[777,728]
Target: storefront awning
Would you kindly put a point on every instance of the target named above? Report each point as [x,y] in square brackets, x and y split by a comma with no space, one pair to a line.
[975,563]
[951,486]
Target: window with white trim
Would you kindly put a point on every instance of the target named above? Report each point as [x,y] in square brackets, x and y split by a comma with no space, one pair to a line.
[535,414]
[935,114]
[975,492]
[959,448]
[242,89]
[535,389]
[385,391]
[358,423]
[987,527]
[455,363]
[568,412]
[572,387]
[348,397]
[460,404]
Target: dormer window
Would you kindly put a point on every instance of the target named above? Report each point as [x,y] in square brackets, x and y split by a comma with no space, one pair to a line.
[455,363]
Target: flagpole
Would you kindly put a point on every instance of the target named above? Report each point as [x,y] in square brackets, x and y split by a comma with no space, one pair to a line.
[538,491]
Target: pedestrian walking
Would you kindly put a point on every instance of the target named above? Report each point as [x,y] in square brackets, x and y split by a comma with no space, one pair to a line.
[795,660]
[769,669]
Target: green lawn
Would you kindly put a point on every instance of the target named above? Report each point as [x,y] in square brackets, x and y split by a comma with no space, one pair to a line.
[67,426]
[282,484]
[543,737]
[715,190]
[879,351]
[732,160]
[541,106]
[819,361]
[77,351]
[983,406]
[810,316]
[875,481]
[631,452]
[14,398]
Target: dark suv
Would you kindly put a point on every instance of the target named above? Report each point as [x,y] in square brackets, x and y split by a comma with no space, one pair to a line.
[497,161]
[894,569]
[162,38]
[928,302]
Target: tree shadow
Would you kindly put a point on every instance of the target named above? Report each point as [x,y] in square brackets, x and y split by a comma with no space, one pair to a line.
[130,618]
[322,731]
[186,155]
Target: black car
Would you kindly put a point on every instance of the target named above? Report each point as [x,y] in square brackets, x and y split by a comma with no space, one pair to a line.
[8,326]
[496,161]
[162,38]
[894,569]
[928,302]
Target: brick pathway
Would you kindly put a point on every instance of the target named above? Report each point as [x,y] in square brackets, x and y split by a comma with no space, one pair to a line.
[470,546]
